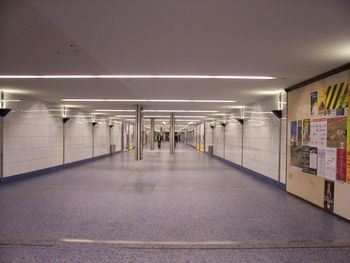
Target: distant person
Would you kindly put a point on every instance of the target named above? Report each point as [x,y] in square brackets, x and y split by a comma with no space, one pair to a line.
[159,140]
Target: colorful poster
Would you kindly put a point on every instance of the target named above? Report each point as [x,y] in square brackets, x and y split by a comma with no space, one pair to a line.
[313,104]
[300,133]
[293,133]
[331,164]
[341,163]
[306,132]
[348,168]
[321,162]
[321,101]
[336,131]
[348,151]
[337,98]
[328,195]
[306,159]
[313,161]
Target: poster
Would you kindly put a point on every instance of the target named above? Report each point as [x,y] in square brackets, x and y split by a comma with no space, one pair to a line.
[341,163]
[318,132]
[296,156]
[348,168]
[321,101]
[321,162]
[336,131]
[337,99]
[314,133]
[306,159]
[300,133]
[328,195]
[293,133]
[313,104]
[331,164]
[322,129]
[313,161]
[306,132]
[348,151]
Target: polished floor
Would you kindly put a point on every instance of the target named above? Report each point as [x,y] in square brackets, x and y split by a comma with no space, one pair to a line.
[183,208]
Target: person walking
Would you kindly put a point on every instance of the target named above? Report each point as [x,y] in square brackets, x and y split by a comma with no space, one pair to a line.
[159,140]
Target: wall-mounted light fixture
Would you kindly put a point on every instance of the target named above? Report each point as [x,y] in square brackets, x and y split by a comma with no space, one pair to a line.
[277,113]
[3,110]
[240,120]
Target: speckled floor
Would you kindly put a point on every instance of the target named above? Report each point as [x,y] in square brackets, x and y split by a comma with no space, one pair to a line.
[182,198]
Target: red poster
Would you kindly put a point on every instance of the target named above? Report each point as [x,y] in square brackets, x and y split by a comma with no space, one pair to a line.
[341,165]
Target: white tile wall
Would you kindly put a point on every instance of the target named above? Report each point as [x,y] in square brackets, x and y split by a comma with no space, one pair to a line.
[116,136]
[208,136]
[78,140]
[101,139]
[191,137]
[233,142]
[32,137]
[261,139]
[219,140]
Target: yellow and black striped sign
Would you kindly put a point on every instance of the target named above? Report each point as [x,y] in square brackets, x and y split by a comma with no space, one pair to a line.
[337,96]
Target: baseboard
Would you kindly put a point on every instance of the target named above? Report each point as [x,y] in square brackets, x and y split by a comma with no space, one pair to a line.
[252,173]
[191,146]
[56,168]
[319,207]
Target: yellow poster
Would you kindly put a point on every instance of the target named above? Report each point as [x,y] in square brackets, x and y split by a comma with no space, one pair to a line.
[348,149]
[337,99]
[321,101]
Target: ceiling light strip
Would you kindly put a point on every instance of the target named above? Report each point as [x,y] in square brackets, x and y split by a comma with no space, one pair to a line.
[145,100]
[134,77]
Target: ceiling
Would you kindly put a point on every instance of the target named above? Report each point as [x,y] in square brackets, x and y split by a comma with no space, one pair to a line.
[289,40]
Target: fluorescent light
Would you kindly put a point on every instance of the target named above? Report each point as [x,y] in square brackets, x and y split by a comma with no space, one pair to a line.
[155,116]
[259,112]
[221,114]
[186,120]
[132,77]
[168,116]
[124,116]
[180,110]
[144,100]
[117,110]
[183,116]
[10,100]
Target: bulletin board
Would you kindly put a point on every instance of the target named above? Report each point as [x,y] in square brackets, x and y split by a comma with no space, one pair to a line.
[318,156]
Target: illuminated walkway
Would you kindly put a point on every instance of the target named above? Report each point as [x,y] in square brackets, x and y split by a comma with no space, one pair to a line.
[182,208]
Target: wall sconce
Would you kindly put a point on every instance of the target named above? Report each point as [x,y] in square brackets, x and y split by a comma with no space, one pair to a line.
[277,113]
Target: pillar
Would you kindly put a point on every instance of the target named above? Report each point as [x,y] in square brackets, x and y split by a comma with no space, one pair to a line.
[152,134]
[138,133]
[172,134]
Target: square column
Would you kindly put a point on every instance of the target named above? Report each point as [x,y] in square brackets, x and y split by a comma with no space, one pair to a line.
[172,134]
